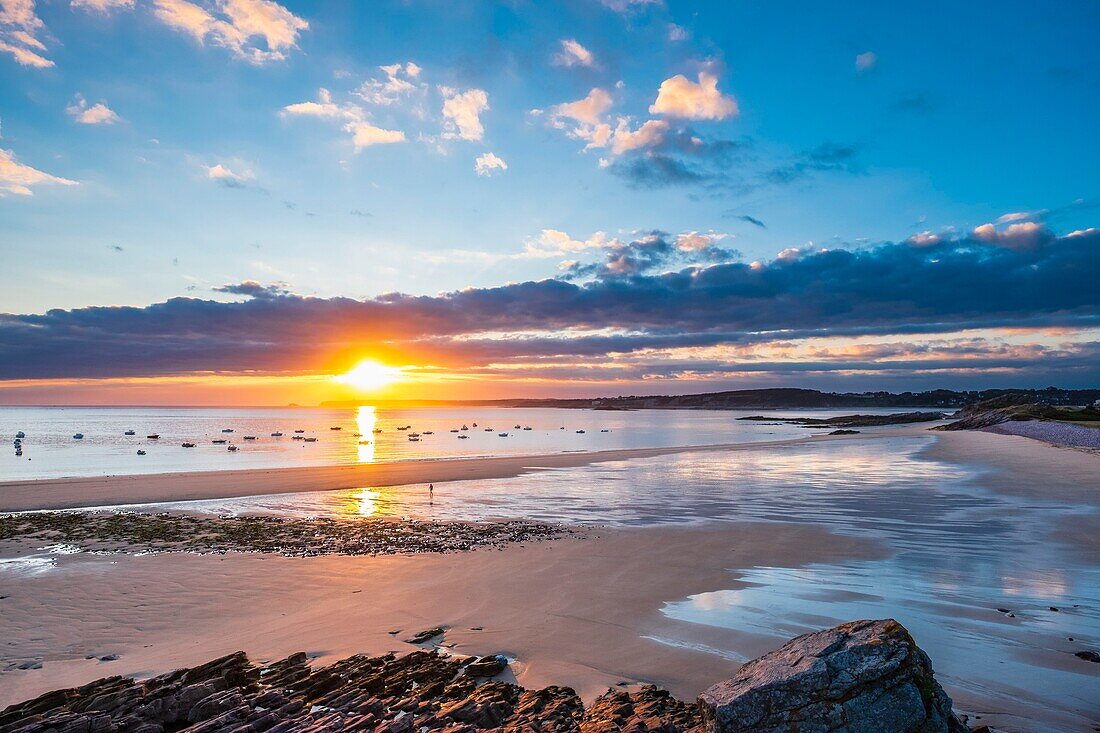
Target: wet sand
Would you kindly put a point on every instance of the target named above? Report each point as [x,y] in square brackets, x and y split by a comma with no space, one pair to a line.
[74,493]
[572,612]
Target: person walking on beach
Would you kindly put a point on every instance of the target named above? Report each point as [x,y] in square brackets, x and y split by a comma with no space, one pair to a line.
[431,493]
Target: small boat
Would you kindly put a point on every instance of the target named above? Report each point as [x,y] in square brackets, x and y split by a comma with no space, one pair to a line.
[463,437]
[515,427]
[526,427]
[357,435]
[414,439]
[233,449]
[427,432]
[218,442]
[297,437]
[466,427]
[562,428]
[336,427]
[404,427]
[227,430]
[187,445]
[20,434]
[488,430]
[454,431]
[129,432]
[311,440]
[79,436]
[580,432]
[364,442]
[18,442]
[502,435]
[376,431]
[604,430]
[276,434]
[250,437]
[141,452]
[299,431]
[414,435]
[154,436]
[475,425]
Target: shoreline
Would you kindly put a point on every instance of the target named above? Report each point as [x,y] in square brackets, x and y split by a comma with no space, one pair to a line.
[103,491]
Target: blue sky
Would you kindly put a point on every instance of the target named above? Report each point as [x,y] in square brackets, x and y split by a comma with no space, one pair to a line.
[757,126]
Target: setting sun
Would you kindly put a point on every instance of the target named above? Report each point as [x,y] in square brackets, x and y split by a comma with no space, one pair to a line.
[369,375]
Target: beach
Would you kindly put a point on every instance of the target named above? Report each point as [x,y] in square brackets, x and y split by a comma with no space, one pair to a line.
[931,525]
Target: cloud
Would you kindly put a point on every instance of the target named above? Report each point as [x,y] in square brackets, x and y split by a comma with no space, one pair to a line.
[102,6]
[678,33]
[486,163]
[400,83]
[20,27]
[229,178]
[574,54]
[683,98]
[363,133]
[18,178]
[626,304]
[626,6]
[866,61]
[824,158]
[96,114]
[258,31]
[650,135]
[751,220]
[254,289]
[462,113]
[651,252]
[1022,235]
[556,243]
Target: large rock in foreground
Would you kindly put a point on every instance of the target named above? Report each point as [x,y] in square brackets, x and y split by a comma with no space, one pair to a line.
[860,677]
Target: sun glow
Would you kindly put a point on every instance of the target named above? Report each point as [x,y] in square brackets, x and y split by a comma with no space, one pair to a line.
[368,376]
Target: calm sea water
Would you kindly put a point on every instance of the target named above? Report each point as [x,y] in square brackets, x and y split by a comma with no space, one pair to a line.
[51,451]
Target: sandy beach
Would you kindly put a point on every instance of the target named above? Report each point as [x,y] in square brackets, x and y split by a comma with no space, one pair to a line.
[584,611]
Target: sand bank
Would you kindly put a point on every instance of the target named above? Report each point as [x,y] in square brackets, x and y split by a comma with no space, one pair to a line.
[572,612]
[74,493]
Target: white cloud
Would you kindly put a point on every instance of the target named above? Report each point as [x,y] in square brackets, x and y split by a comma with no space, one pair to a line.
[1023,235]
[17,178]
[697,241]
[238,25]
[588,111]
[102,6]
[625,6]
[556,243]
[574,54]
[363,133]
[19,29]
[96,114]
[649,135]
[486,163]
[681,97]
[678,32]
[866,61]
[462,113]
[393,88]
[227,176]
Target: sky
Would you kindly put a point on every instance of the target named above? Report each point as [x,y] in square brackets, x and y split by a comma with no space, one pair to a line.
[234,201]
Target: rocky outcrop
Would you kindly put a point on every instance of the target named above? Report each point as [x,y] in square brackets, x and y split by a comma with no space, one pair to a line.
[860,677]
[417,692]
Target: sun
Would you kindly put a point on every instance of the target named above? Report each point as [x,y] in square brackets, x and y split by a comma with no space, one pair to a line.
[369,375]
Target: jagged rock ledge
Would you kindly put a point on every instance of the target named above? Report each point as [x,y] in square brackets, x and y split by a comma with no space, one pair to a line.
[112,532]
[862,677]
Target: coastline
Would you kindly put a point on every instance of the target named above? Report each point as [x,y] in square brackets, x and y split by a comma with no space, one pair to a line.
[99,491]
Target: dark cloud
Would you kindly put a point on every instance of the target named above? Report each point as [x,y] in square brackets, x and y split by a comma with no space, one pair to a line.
[653,251]
[658,170]
[824,158]
[749,219]
[357,212]
[939,287]
[117,248]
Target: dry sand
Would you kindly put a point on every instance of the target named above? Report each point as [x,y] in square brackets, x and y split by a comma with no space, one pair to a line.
[572,612]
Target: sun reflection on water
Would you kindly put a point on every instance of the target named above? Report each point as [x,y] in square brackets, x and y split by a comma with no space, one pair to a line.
[365,420]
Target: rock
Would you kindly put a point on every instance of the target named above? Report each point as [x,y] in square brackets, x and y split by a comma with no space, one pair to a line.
[1088,656]
[425,635]
[859,677]
[844,431]
[487,666]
